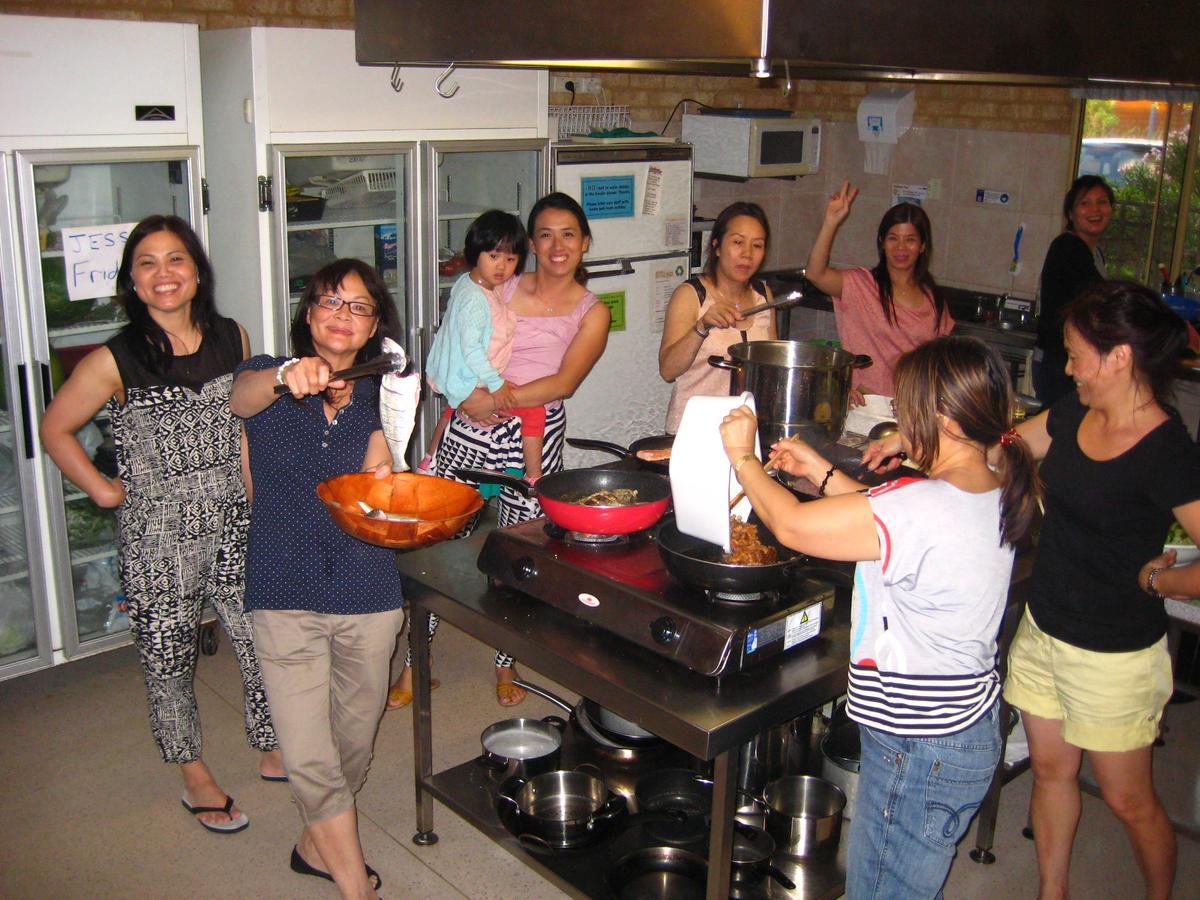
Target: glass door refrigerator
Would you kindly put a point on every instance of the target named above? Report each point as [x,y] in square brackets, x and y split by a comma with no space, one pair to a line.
[341,201]
[91,141]
[67,201]
[464,179]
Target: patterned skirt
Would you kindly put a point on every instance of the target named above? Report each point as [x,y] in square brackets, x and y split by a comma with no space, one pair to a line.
[465,446]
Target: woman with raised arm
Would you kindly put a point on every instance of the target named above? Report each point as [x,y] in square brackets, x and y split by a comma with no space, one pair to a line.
[887,310]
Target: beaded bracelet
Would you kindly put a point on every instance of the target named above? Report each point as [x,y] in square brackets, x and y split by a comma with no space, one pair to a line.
[1152,582]
[825,481]
[283,367]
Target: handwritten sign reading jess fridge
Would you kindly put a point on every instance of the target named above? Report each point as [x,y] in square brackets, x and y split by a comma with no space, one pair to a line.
[92,255]
[607,197]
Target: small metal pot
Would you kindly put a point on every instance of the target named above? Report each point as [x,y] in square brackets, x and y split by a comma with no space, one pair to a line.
[561,809]
[804,815]
[522,747]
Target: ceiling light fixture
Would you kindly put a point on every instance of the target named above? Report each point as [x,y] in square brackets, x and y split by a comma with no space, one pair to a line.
[761,67]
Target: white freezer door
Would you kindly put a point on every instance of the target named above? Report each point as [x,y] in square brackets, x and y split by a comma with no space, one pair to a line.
[638,203]
[624,398]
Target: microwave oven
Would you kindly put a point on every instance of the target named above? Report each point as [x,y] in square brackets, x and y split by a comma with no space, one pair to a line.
[747,146]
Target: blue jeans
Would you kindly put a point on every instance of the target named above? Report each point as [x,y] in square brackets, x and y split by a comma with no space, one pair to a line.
[916,798]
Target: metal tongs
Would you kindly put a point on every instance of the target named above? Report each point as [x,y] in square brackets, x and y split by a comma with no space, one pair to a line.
[380,365]
[791,299]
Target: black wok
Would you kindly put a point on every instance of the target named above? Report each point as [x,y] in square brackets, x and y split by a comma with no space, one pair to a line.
[559,493]
[658,442]
[697,563]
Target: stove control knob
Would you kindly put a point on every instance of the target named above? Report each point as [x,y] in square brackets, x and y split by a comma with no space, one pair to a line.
[524,568]
[664,630]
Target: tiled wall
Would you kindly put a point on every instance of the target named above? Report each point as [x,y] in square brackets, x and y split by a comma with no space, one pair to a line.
[967,136]
[973,242]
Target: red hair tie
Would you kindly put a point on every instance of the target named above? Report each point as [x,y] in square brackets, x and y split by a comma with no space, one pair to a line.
[1006,439]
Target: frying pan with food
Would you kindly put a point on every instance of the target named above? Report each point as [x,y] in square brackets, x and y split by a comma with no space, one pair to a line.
[652,446]
[697,563]
[560,493]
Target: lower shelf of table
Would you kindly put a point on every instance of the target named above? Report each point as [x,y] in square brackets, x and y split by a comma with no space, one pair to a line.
[469,790]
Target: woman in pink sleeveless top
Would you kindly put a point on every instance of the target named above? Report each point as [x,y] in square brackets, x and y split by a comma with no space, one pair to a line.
[562,329]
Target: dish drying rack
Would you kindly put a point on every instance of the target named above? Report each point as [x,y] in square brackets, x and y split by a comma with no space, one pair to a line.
[586,119]
[369,187]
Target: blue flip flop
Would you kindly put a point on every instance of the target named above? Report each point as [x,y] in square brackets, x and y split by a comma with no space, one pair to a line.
[300,867]
[231,827]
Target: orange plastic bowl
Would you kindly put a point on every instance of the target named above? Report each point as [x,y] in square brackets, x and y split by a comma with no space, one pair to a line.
[442,507]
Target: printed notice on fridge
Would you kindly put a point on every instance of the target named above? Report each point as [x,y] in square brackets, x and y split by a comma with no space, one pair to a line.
[607,197]
[916,194]
[665,282]
[653,190]
[92,256]
[615,301]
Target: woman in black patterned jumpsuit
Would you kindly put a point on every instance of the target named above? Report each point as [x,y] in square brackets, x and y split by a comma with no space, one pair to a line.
[183,511]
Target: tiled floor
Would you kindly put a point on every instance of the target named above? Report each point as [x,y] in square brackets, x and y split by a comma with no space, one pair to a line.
[87,810]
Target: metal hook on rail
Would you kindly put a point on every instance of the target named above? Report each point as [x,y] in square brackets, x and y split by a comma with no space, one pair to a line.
[452,88]
[397,80]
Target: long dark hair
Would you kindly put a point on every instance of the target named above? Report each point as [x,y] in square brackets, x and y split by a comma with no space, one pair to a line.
[1081,186]
[329,278]
[907,214]
[152,345]
[1121,312]
[496,230]
[559,200]
[964,379]
[721,226]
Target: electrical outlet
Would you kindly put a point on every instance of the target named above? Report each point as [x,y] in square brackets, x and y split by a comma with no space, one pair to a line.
[558,82]
[935,189]
[587,85]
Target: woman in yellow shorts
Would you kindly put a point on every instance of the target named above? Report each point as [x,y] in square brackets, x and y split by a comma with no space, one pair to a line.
[1089,667]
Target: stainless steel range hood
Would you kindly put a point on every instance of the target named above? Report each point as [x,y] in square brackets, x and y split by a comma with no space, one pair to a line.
[1001,41]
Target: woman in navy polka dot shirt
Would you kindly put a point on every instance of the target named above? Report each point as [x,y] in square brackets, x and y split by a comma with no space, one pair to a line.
[326,607]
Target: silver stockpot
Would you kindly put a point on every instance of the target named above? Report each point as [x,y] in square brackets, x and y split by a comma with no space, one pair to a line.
[798,388]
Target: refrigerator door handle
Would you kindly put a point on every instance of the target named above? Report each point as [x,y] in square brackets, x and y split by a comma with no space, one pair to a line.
[26,413]
[47,390]
[626,268]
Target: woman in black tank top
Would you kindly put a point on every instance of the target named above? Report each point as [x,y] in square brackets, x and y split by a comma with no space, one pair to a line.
[180,496]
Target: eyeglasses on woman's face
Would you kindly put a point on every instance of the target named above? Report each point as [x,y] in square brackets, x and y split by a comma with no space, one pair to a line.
[333,303]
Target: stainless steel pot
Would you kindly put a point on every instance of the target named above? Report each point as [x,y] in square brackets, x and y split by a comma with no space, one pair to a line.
[840,754]
[774,753]
[798,388]
[561,810]
[804,815]
[522,747]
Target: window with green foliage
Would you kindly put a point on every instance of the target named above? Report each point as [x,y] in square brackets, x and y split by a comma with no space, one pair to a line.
[1142,148]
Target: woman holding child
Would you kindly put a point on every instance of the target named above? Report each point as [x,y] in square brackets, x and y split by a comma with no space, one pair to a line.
[561,331]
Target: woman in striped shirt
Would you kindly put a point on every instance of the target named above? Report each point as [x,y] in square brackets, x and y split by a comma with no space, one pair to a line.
[935,558]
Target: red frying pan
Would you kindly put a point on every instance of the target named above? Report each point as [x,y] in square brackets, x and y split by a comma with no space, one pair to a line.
[561,492]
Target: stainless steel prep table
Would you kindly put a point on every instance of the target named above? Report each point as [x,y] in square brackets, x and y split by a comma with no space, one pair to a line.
[707,717]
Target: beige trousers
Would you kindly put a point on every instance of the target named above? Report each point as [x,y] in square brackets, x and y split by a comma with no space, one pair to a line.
[326,678]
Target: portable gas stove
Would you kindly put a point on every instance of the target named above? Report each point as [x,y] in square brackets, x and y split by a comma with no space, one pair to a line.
[623,587]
